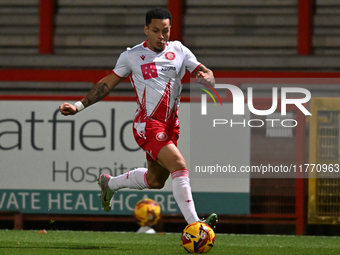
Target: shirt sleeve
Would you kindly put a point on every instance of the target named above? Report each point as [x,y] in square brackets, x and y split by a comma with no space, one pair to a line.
[122,68]
[190,60]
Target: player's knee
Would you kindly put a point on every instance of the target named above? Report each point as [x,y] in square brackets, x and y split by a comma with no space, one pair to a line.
[156,184]
[181,164]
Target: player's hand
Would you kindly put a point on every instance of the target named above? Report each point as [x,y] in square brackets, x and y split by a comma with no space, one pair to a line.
[203,77]
[68,109]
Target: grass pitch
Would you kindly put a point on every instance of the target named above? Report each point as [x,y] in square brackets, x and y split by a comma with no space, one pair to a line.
[74,242]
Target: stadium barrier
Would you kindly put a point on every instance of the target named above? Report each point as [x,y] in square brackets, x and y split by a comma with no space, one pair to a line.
[19,219]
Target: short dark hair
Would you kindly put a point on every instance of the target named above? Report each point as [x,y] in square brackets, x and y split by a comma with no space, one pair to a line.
[157,13]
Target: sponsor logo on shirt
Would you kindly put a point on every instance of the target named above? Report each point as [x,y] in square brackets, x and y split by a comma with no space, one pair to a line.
[149,71]
[168,68]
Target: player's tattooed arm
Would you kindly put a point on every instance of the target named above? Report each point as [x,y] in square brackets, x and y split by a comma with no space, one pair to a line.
[101,89]
[204,75]
[97,93]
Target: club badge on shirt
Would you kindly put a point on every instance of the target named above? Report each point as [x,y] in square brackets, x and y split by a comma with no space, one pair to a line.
[170,55]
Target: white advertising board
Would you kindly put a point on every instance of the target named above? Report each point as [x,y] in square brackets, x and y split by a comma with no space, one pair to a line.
[50,163]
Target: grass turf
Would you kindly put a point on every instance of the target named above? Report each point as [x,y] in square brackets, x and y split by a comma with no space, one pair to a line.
[75,242]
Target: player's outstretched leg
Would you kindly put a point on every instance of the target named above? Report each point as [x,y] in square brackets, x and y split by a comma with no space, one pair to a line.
[211,220]
[107,193]
[135,179]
